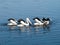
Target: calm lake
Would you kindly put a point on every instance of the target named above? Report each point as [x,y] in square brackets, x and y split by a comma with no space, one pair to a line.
[30,8]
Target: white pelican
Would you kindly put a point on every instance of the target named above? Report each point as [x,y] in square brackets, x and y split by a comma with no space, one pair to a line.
[41,23]
[22,23]
[47,21]
[38,21]
[12,22]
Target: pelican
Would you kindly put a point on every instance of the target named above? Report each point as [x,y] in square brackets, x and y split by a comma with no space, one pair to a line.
[38,21]
[22,23]
[46,20]
[12,22]
[41,22]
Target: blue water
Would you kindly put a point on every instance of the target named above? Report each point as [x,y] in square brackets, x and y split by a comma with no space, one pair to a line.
[30,8]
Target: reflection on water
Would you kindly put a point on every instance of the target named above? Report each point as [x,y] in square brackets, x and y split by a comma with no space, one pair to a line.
[29,29]
[45,29]
[12,27]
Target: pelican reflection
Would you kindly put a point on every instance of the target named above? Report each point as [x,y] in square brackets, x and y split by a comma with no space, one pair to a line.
[12,27]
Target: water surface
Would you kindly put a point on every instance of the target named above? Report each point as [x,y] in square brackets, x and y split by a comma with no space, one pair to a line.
[30,8]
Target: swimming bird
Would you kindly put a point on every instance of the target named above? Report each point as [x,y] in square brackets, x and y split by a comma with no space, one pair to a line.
[12,22]
[41,22]
[24,23]
[46,20]
[38,21]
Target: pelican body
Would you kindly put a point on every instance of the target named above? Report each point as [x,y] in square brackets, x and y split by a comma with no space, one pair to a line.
[41,22]
[12,22]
